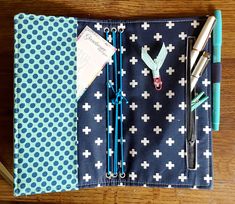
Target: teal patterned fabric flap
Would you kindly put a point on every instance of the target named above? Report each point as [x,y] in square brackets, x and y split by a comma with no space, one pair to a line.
[45,120]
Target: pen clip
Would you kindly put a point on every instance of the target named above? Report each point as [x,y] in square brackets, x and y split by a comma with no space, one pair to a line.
[207,56]
[206,41]
[198,100]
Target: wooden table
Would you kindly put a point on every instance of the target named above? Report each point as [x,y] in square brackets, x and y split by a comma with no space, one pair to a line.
[224,141]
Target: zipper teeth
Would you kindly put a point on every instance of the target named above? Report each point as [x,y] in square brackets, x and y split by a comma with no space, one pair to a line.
[190,116]
[188,90]
[193,127]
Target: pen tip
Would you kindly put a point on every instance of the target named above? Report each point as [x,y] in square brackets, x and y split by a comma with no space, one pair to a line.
[215,126]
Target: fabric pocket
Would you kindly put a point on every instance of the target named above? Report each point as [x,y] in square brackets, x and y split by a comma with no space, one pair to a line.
[154,121]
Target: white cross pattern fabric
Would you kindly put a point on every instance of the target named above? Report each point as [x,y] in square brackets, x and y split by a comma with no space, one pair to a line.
[155,124]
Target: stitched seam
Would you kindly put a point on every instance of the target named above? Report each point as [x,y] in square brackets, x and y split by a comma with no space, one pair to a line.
[102,181]
[43,17]
[116,21]
[16,151]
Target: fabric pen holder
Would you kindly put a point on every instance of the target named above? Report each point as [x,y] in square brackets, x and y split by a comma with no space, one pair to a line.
[158,126]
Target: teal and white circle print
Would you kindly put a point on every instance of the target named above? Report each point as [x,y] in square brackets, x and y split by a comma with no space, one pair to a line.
[45,107]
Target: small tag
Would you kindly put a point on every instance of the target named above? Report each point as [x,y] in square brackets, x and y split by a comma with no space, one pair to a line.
[93,52]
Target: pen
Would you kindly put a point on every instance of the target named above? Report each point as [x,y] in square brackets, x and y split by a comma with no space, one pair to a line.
[217,43]
[199,68]
[202,39]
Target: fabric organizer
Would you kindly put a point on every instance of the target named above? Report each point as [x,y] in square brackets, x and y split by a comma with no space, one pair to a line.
[62,144]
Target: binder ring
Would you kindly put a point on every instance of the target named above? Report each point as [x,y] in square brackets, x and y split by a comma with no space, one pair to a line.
[122,175]
[106,29]
[108,175]
[113,29]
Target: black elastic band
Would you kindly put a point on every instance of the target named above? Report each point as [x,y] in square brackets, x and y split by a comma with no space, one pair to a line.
[216,72]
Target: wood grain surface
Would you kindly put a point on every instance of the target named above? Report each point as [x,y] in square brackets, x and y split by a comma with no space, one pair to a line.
[224,140]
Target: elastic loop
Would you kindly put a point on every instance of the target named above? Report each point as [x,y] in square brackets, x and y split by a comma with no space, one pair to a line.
[113,29]
[121,98]
[106,29]
[108,175]
[122,175]
[114,175]
[108,114]
[120,30]
[115,159]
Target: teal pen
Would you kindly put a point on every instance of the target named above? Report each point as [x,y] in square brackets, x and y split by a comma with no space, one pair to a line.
[216,76]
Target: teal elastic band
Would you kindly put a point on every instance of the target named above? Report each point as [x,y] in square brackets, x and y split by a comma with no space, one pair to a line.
[115,163]
[109,172]
[121,116]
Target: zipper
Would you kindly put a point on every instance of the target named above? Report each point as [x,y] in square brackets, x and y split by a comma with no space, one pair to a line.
[191,139]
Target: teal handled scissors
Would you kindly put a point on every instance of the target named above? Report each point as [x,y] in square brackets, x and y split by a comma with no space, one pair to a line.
[198,100]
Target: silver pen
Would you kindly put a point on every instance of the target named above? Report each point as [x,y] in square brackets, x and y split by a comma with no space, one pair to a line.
[199,68]
[202,39]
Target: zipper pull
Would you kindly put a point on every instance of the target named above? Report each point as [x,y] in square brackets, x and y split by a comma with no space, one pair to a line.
[198,100]
[157,83]
[191,138]
[155,64]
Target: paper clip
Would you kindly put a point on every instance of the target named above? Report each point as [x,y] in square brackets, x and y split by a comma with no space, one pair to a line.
[198,100]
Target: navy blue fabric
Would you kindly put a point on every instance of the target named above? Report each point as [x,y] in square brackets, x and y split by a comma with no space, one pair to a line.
[158,162]
[216,72]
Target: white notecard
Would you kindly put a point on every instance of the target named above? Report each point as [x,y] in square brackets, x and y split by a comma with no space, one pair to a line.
[93,52]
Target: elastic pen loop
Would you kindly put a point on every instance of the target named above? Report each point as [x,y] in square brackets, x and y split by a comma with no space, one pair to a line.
[108,113]
[115,163]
